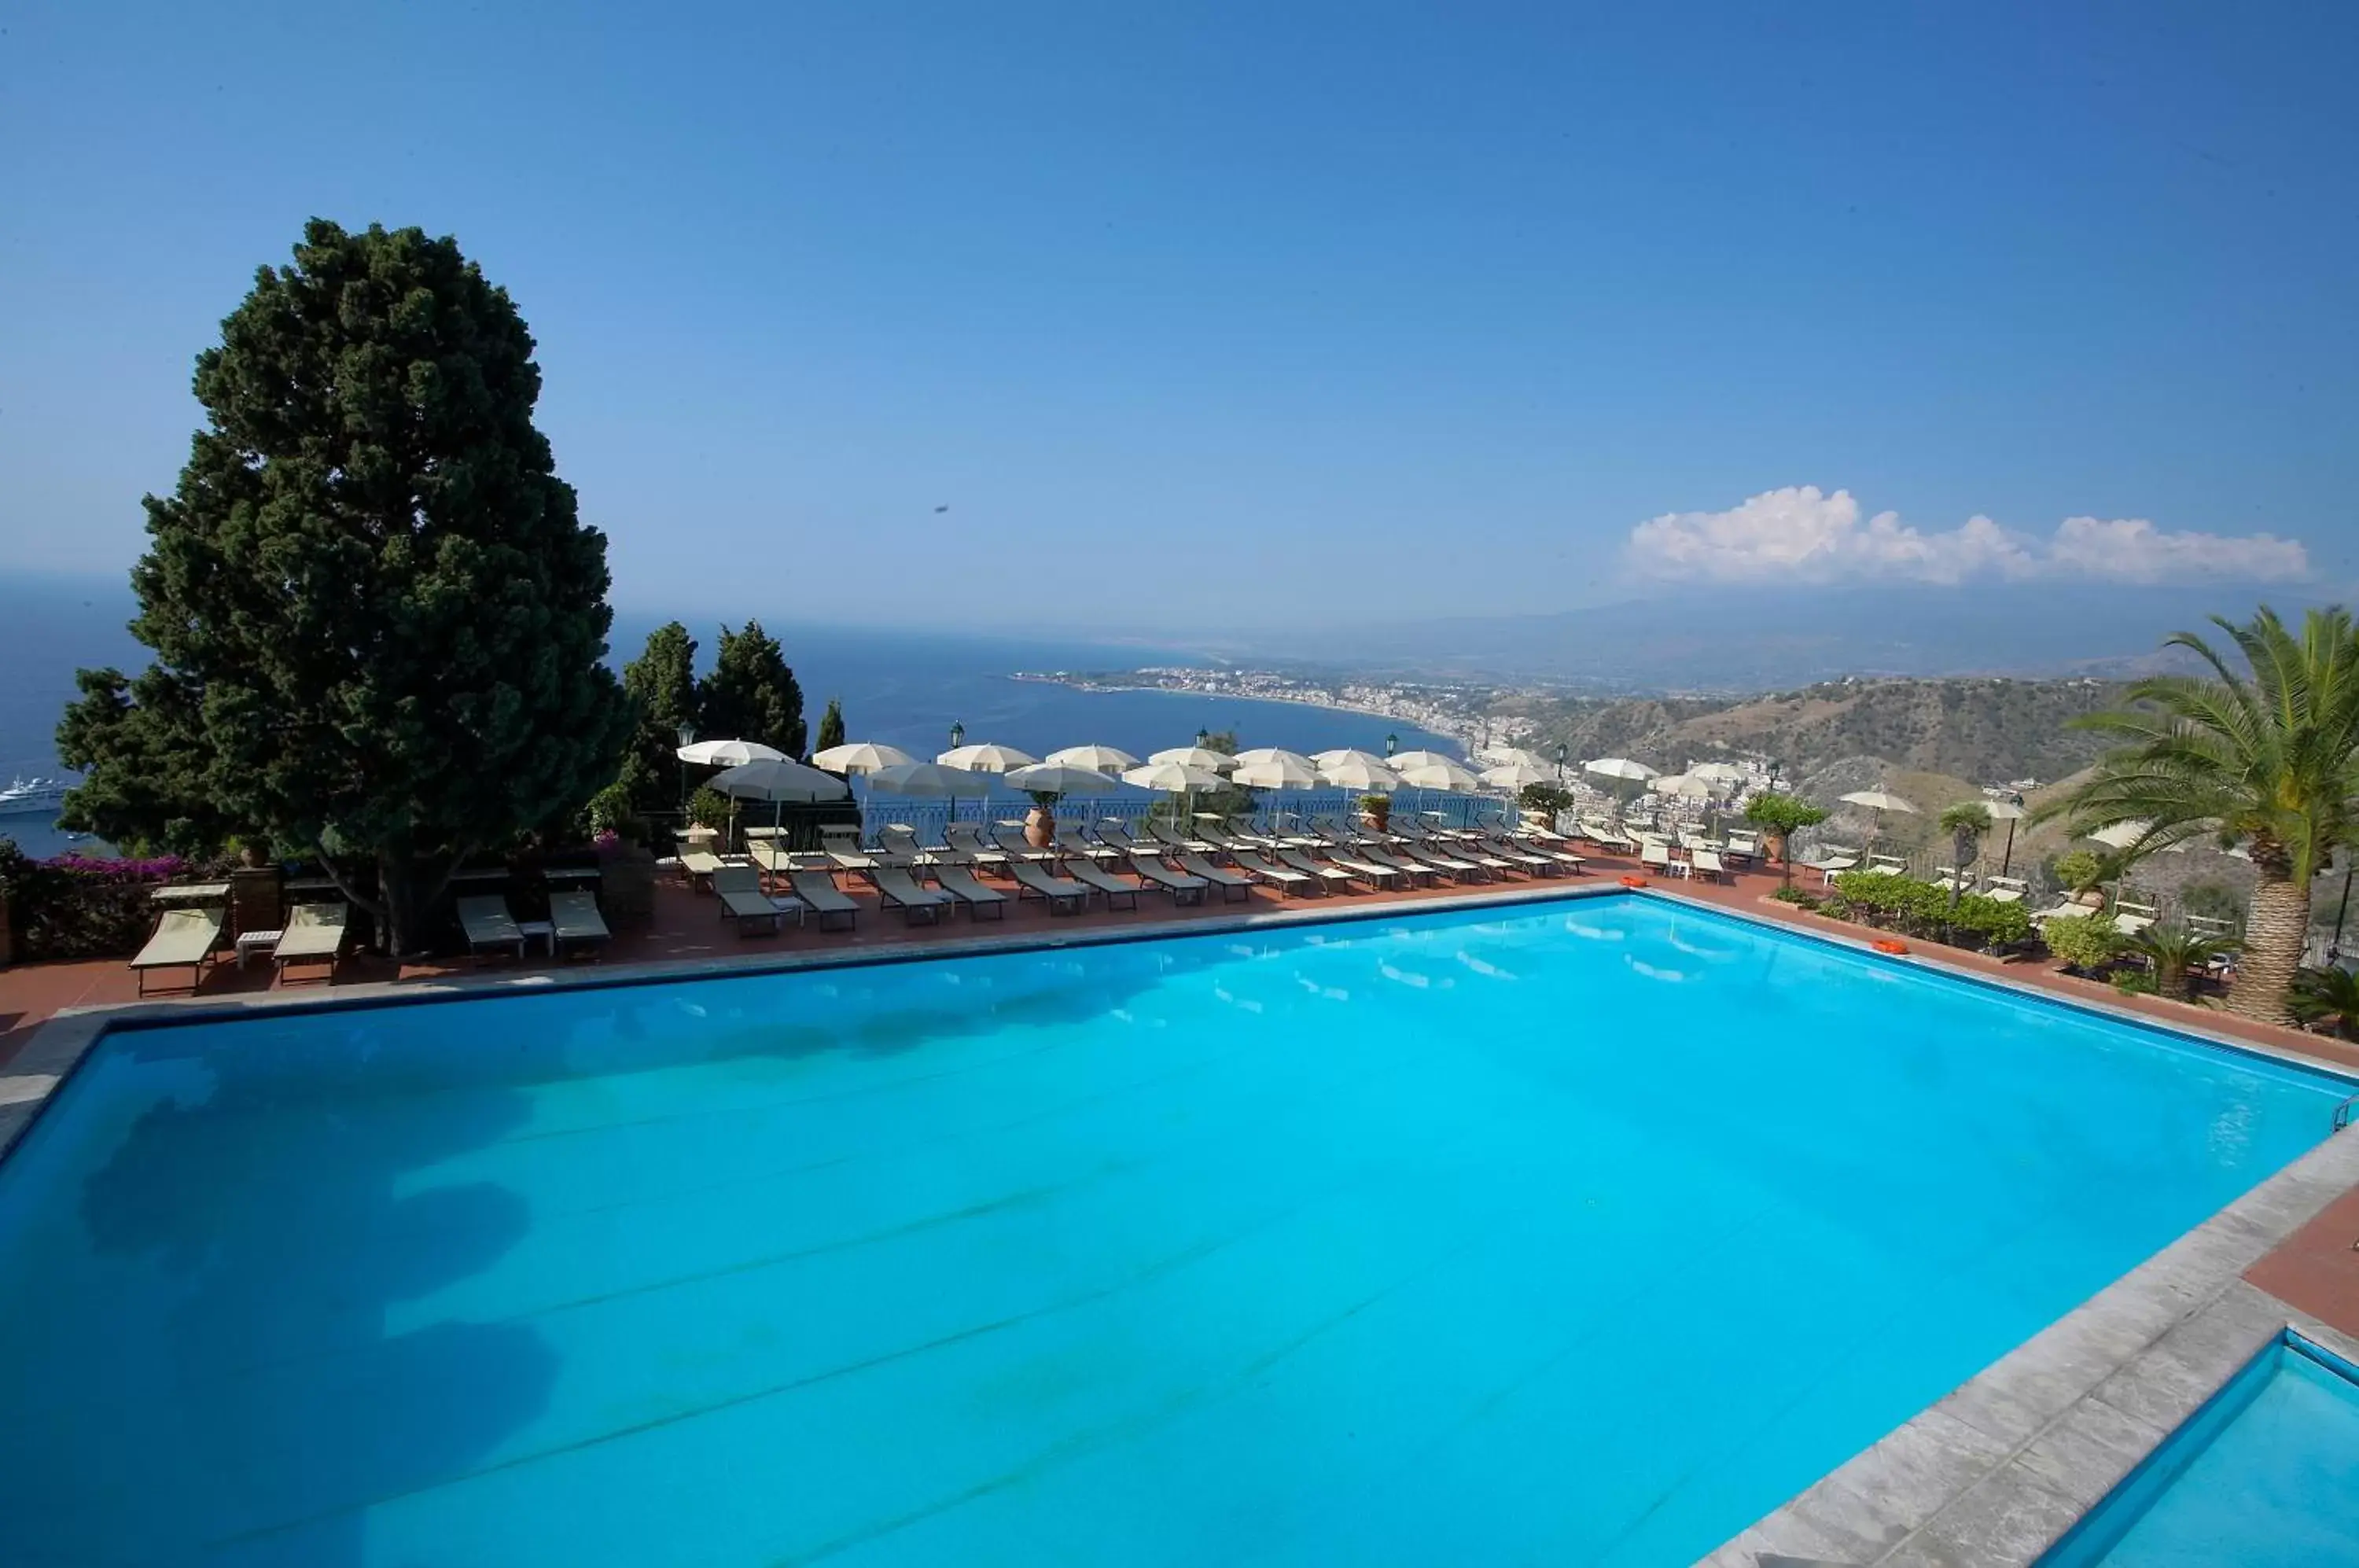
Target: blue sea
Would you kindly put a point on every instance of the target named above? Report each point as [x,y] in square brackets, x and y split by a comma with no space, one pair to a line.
[901,687]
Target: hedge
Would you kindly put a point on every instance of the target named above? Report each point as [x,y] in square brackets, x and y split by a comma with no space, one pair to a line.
[1921,910]
[76,907]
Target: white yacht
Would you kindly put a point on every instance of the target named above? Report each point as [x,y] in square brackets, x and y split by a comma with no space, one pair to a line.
[33,798]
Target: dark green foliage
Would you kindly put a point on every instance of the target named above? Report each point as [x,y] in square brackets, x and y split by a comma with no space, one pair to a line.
[662,686]
[1919,908]
[1781,817]
[1545,800]
[2175,951]
[2085,943]
[2329,996]
[751,694]
[710,807]
[830,725]
[2213,900]
[1798,897]
[377,620]
[72,907]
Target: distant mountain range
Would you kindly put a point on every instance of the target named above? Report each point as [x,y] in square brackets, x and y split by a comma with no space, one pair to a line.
[1717,639]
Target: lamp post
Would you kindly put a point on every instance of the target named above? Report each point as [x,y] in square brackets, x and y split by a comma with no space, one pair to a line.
[958,734]
[2007,862]
[687,738]
[1559,765]
[1392,743]
[1203,739]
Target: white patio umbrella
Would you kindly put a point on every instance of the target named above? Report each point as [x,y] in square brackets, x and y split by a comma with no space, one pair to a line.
[927,779]
[1718,773]
[1261,754]
[986,757]
[1357,770]
[1335,757]
[1444,775]
[1201,757]
[1617,768]
[1171,778]
[1280,770]
[1685,785]
[1062,779]
[1515,756]
[1880,800]
[1105,758]
[2010,813]
[1514,776]
[2121,835]
[861,757]
[1403,761]
[729,753]
[777,780]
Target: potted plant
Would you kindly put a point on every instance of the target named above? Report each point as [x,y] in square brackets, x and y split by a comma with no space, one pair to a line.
[1376,812]
[1041,822]
[1779,817]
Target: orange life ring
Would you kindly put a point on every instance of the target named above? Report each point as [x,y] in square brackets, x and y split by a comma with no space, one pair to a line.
[1634,882]
[1886,944]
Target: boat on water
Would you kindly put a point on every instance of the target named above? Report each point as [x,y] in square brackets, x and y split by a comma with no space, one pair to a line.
[34,798]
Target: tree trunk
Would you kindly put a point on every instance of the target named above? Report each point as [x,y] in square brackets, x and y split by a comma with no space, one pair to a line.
[2274,935]
[411,888]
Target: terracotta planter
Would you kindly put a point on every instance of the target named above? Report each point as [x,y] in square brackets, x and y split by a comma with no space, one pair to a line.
[1040,828]
[1376,818]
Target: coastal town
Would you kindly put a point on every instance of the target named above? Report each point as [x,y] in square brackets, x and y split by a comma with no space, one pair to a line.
[1462,711]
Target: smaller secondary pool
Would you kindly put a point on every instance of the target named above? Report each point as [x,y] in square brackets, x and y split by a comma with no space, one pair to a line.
[2266,1474]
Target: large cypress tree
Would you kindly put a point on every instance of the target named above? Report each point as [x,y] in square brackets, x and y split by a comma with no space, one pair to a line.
[662,685]
[751,694]
[376,617]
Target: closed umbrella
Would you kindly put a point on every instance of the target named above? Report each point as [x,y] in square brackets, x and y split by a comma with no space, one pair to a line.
[1617,768]
[861,757]
[986,757]
[1105,758]
[1201,757]
[729,753]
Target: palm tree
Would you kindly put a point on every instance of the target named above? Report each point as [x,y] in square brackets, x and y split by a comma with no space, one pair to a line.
[2176,952]
[2269,757]
[1965,823]
[2323,994]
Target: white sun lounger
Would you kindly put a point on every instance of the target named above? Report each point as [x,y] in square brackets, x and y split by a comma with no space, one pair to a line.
[488,924]
[1417,871]
[183,938]
[1331,878]
[314,933]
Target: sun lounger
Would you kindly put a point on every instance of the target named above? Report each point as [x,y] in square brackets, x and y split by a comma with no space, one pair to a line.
[1064,896]
[1009,837]
[1366,870]
[1331,878]
[2130,919]
[1183,889]
[960,884]
[1887,866]
[1284,878]
[1517,855]
[183,938]
[1440,860]
[1706,863]
[314,933]
[1830,864]
[819,895]
[488,924]
[1416,872]
[842,845]
[1087,873]
[1656,856]
[967,839]
[744,904]
[1231,884]
[698,866]
[2006,889]
[574,918]
[895,887]
[1116,834]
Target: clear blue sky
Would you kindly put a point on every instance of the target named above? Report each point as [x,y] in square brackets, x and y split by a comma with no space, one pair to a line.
[1170,305]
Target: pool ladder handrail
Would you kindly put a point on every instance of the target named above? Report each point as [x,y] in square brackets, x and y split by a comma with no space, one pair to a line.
[2342,1113]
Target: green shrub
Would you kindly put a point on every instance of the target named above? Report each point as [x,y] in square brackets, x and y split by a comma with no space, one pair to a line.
[2084,943]
[1919,908]
[710,808]
[1798,897]
[74,906]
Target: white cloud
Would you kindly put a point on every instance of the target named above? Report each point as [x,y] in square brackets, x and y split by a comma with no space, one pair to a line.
[1802,535]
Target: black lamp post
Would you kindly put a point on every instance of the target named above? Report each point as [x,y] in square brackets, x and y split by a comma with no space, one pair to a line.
[1559,765]
[1204,740]
[2007,862]
[958,734]
[1392,743]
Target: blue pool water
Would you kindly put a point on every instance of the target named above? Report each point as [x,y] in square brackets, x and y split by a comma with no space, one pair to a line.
[1582,1232]
[2265,1476]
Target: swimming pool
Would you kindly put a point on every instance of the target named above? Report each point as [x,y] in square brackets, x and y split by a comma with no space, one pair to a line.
[2265,1476]
[1583,1231]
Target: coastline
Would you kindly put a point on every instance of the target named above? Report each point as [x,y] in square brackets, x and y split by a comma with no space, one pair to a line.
[1448,728]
